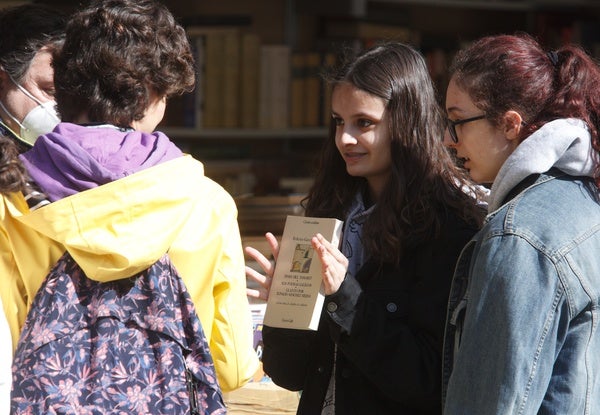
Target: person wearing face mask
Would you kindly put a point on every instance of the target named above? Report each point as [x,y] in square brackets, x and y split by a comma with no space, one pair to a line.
[29,34]
[39,120]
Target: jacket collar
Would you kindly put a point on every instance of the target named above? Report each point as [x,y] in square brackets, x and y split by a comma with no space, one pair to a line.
[564,144]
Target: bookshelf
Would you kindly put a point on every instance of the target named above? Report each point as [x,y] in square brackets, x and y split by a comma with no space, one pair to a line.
[437,27]
[254,161]
[262,152]
[245,133]
[261,148]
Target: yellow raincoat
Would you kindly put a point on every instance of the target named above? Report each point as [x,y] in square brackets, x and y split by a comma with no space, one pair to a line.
[118,229]
[26,259]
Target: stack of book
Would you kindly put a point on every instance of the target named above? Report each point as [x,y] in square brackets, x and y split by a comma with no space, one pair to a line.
[260,214]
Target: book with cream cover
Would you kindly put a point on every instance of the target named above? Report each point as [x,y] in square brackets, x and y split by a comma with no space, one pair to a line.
[296,296]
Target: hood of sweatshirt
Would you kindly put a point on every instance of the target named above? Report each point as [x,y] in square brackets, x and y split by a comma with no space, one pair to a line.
[73,158]
[118,228]
[564,144]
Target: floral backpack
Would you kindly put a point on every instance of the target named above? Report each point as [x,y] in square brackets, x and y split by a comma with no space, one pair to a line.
[133,346]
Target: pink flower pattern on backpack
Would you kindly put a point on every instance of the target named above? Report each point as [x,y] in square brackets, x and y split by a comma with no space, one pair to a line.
[133,346]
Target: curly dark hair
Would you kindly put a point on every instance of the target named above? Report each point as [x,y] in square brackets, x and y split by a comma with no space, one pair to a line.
[424,184]
[116,55]
[12,171]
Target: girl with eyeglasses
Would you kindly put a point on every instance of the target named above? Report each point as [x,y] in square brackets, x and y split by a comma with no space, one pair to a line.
[522,332]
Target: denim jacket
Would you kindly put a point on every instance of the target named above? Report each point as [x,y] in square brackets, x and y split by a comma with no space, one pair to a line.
[523,333]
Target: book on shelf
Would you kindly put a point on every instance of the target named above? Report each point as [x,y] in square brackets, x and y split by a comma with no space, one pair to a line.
[218,99]
[231,80]
[305,89]
[329,62]
[368,32]
[260,214]
[274,86]
[250,69]
[296,296]
[194,105]
[297,89]
[309,94]
[214,62]
[312,84]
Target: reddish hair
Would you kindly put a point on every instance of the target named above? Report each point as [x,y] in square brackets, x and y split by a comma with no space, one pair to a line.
[514,72]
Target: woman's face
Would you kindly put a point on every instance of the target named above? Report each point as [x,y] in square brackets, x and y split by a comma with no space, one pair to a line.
[38,81]
[482,146]
[361,135]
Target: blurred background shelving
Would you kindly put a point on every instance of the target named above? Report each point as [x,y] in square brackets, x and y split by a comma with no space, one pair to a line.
[261,110]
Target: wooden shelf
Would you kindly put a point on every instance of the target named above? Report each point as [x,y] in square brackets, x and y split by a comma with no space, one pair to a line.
[254,134]
[526,5]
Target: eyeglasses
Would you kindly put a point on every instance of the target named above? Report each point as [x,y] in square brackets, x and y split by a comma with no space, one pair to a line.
[452,125]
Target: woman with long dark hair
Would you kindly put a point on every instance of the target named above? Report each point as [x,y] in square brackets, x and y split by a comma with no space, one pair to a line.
[408,211]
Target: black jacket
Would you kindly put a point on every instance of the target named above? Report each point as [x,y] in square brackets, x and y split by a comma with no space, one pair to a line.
[388,324]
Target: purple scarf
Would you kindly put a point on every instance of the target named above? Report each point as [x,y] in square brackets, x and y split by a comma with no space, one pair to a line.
[74,158]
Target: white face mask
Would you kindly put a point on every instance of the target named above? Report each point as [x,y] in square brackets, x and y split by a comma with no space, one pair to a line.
[40,120]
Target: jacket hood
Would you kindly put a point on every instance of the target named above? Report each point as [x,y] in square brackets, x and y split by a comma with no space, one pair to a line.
[73,158]
[564,144]
[120,228]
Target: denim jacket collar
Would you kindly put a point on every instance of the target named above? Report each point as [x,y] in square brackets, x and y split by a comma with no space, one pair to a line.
[558,267]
